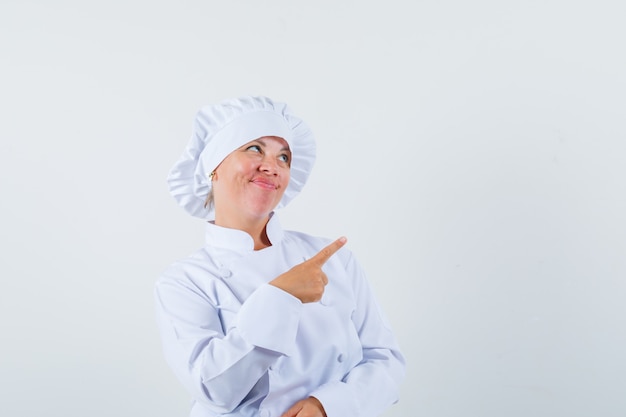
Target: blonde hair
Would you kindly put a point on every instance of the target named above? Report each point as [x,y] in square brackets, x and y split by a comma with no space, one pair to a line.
[208,202]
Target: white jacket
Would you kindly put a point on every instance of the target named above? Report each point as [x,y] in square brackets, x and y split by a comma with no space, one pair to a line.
[245,348]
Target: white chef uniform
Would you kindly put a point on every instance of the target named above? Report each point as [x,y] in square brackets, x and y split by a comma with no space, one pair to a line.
[245,348]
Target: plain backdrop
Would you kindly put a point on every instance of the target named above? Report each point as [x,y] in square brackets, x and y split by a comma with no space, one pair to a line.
[472,151]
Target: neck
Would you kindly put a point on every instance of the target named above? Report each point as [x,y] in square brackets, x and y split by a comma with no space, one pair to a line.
[256,228]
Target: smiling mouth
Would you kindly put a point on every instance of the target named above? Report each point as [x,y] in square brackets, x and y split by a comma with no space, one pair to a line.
[264,184]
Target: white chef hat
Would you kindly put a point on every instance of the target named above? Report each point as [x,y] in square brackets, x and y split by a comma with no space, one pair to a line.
[220,129]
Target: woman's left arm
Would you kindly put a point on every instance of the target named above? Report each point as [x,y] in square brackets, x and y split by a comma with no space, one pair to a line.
[373,384]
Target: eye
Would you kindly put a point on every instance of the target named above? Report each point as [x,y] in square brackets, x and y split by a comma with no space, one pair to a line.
[254,148]
[284,158]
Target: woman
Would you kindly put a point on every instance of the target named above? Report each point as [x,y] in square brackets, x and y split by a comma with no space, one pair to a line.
[262,321]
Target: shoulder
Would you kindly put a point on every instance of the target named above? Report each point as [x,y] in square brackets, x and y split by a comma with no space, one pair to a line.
[197,264]
[305,240]
[292,235]
[313,244]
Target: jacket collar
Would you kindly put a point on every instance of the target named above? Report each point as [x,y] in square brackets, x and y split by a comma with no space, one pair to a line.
[238,240]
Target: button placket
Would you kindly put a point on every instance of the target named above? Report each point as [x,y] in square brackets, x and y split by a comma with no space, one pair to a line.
[274,369]
[224,271]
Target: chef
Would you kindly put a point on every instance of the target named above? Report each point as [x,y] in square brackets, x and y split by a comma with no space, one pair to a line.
[263,321]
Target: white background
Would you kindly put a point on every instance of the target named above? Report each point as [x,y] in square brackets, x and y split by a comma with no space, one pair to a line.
[472,151]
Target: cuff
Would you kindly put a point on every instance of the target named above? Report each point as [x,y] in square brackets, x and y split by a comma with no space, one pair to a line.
[269,319]
[337,399]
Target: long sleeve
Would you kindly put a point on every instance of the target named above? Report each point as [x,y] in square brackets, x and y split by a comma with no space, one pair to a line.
[221,366]
[371,386]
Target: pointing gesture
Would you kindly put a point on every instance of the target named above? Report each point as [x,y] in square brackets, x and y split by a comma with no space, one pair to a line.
[306,281]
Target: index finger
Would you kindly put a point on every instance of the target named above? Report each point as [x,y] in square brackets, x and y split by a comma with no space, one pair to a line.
[324,255]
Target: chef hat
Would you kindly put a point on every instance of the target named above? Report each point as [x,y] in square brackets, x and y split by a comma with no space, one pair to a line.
[220,129]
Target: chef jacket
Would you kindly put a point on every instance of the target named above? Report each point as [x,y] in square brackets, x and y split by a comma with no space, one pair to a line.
[245,348]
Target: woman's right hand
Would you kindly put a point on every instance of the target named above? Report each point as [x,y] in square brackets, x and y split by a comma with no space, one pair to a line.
[306,281]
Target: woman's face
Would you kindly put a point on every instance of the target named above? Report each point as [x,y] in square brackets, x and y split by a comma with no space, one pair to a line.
[250,182]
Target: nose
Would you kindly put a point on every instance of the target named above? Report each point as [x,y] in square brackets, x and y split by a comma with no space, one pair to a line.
[269,166]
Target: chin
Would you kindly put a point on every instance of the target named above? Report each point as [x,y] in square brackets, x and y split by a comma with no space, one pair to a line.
[259,209]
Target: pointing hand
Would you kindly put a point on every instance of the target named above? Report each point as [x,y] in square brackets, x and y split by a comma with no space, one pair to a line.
[306,281]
